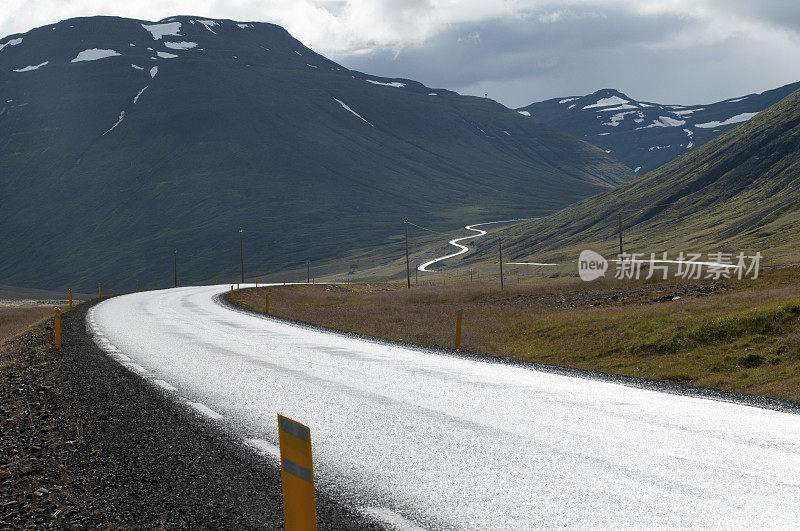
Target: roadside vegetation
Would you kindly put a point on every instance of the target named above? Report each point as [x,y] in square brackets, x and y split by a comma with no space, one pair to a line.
[16,319]
[737,335]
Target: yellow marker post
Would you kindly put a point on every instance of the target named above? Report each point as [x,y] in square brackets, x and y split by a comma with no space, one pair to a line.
[458,330]
[257,280]
[70,300]
[137,286]
[297,476]
[266,307]
[57,327]
[99,290]
[231,291]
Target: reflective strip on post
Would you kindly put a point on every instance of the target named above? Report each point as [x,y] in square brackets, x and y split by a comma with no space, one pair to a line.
[458,330]
[297,475]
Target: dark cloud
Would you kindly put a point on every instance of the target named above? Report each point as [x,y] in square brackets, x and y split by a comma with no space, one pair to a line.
[686,51]
[783,14]
[663,57]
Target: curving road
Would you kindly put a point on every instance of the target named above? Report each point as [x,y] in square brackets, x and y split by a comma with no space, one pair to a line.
[420,438]
[463,248]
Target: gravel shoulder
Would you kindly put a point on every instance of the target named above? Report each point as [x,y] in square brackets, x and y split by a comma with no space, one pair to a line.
[86,443]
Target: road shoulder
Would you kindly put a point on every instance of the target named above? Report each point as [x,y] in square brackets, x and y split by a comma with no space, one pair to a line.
[88,443]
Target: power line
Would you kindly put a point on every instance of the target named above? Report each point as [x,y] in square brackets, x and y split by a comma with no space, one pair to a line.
[430,230]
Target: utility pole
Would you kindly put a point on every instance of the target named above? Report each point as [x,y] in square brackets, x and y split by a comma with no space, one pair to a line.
[470,274]
[308,271]
[176,268]
[416,275]
[620,234]
[500,243]
[241,251]
[408,270]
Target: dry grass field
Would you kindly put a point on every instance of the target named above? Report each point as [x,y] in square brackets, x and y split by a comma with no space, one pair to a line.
[737,335]
[15,319]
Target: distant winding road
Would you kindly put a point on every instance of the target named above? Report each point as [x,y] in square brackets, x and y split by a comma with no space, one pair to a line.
[463,248]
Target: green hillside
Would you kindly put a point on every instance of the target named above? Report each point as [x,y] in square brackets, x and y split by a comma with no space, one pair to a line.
[230,124]
[739,192]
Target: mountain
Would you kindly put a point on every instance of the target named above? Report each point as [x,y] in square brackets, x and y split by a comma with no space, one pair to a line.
[738,193]
[123,140]
[646,135]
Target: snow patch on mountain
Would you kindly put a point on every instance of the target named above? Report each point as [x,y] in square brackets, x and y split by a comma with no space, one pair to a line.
[209,24]
[121,116]
[159,30]
[739,118]
[687,112]
[617,118]
[166,55]
[12,42]
[664,121]
[136,98]
[606,102]
[183,45]
[93,54]
[245,26]
[153,72]
[524,113]
[567,100]
[619,108]
[33,67]
[396,84]
[136,67]
[347,108]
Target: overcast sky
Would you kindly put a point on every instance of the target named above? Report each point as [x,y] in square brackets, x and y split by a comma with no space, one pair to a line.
[517,51]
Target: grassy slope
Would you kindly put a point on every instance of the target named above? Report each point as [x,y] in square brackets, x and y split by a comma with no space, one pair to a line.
[260,142]
[741,336]
[740,191]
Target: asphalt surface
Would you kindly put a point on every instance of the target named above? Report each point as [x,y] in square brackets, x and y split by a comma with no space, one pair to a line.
[417,437]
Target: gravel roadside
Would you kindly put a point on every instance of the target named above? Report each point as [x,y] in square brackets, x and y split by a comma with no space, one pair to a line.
[86,443]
